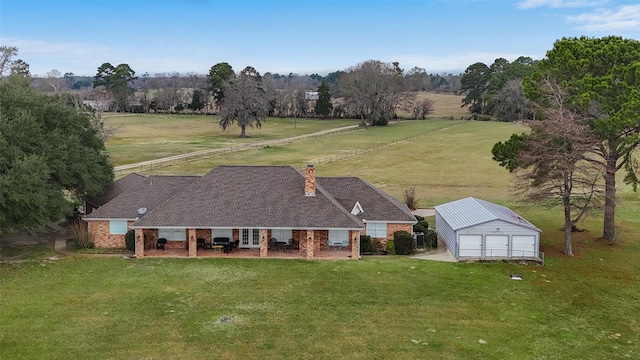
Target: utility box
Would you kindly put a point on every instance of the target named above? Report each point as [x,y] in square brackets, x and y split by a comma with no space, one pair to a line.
[419,239]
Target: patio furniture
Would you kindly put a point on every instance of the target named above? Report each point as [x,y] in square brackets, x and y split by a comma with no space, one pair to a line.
[273,244]
[232,245]
[161,243]
[293,244]
[200,243]
[220,243]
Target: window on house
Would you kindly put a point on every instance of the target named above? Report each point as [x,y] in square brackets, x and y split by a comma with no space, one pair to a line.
[338,237]
[281,234]
[228,233]
[117,227]
[377,230]
[173,234]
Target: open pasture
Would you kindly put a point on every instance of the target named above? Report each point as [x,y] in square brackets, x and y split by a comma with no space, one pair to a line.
[445,105]
[141,137]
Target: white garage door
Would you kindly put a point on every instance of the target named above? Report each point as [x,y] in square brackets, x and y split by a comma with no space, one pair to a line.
[470,246]
[496,246]
[523,246]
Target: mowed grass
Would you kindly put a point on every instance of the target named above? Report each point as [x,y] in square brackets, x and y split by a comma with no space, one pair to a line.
[378,308]
[141,137]
[583,307]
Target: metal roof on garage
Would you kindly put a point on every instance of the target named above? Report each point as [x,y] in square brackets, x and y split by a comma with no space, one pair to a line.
[471,211]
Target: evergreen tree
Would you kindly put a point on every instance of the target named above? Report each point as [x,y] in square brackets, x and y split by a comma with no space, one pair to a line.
[323,104]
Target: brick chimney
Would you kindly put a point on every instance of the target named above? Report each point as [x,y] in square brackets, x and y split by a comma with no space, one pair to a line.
[310,181]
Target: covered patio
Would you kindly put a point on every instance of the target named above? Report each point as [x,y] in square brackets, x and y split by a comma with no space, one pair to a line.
[257,243]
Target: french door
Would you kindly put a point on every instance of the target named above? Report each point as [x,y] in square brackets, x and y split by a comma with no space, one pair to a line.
[250,238]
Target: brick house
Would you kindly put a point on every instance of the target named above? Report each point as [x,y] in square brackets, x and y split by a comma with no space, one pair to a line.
[252,204]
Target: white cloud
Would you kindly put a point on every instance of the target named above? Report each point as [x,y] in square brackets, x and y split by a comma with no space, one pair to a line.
[530,4]
[624,18]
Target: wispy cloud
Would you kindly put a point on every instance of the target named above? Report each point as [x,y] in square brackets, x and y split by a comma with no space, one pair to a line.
[624,18]
[530,4]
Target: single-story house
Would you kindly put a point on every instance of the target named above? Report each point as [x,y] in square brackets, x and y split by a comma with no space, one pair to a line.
[474,229]
[252,204]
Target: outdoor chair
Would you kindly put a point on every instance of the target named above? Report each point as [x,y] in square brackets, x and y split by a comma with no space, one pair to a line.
[273,244]
[200,243]
[231,245]
[161,243]
[293,244]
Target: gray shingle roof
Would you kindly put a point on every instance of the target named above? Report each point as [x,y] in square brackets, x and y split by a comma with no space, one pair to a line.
[470,211]
[376,204]
[116,188]
[149,193]
[251,196]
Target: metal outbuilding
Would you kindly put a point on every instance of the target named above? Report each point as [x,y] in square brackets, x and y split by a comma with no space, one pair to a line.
[474,229]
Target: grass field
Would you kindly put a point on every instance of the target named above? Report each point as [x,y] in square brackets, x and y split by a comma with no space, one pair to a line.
[445,104]
[141,137]
[583,307]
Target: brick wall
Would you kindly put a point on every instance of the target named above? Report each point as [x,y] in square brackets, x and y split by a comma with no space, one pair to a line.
[99,234]
[310,181]
[204,234]
[300,235]
[150,238]
[321,238]
[176,245]
[392,228]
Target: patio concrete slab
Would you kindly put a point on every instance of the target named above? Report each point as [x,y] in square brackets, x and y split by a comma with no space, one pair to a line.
[424,212]
[440,254]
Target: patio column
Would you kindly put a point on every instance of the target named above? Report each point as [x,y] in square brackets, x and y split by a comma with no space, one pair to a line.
[310,244]
[264,243]
[355,244]
[139,243]
[191,238]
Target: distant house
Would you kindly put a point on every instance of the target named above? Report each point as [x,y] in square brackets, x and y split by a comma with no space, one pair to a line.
[474,229]
[251,204]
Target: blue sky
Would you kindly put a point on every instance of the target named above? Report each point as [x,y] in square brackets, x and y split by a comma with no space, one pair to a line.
[298,36]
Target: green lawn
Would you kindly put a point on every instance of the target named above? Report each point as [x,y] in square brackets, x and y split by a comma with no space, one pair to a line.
[380,308]
[584,307]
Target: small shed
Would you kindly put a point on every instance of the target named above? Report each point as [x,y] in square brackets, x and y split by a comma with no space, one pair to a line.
[474,229]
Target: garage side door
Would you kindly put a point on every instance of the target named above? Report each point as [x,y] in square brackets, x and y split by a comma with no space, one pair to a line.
[523,246]
[496,246]
[470,246]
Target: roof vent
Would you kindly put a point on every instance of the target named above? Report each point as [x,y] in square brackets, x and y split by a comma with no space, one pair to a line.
[357,209]
[142,211]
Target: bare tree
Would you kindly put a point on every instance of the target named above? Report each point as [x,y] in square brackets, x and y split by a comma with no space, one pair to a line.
[6,58]
[511,102]
[421,108]
[554,164]
[373,90]
[55,79]
[244,101]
